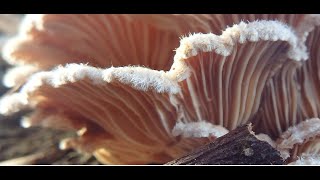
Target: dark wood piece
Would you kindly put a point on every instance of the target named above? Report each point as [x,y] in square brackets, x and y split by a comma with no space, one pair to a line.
[239,146]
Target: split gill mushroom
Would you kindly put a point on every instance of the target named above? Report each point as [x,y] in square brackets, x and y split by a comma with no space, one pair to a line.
[116,80]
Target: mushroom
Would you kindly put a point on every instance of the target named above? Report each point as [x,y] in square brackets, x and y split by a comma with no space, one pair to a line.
[291,97]
[128,102]
[95,39]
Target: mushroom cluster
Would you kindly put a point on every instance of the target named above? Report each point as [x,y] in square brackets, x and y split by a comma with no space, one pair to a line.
[135,96]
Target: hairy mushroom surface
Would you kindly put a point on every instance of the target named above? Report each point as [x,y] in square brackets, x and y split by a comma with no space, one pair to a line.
[132,101]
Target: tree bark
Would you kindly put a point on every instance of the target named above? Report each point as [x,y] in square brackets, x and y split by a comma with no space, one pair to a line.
[239,146]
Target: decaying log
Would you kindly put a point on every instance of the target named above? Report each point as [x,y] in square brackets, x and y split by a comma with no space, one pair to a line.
[239,146]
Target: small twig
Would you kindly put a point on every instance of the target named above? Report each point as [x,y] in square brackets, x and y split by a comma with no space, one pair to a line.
[239,146]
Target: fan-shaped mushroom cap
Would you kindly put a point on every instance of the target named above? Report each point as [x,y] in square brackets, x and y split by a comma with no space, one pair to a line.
[127,114]
[292,95]
[225,86]
[100,40]
[18,75]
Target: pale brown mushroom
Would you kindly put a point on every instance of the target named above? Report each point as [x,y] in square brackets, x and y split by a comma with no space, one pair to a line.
[95,39]
[292,96]
[160,111]
[126,115]
[91,39]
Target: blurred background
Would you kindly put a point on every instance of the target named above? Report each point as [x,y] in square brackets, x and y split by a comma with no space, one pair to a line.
[20,146]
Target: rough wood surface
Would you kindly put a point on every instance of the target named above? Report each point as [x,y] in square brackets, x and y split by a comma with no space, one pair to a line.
[240,146]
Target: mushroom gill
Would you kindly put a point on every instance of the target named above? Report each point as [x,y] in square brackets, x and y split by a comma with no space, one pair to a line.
[93,39]
[292,96]
[225,86]
[45,41]
[126,115]
[112,79]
